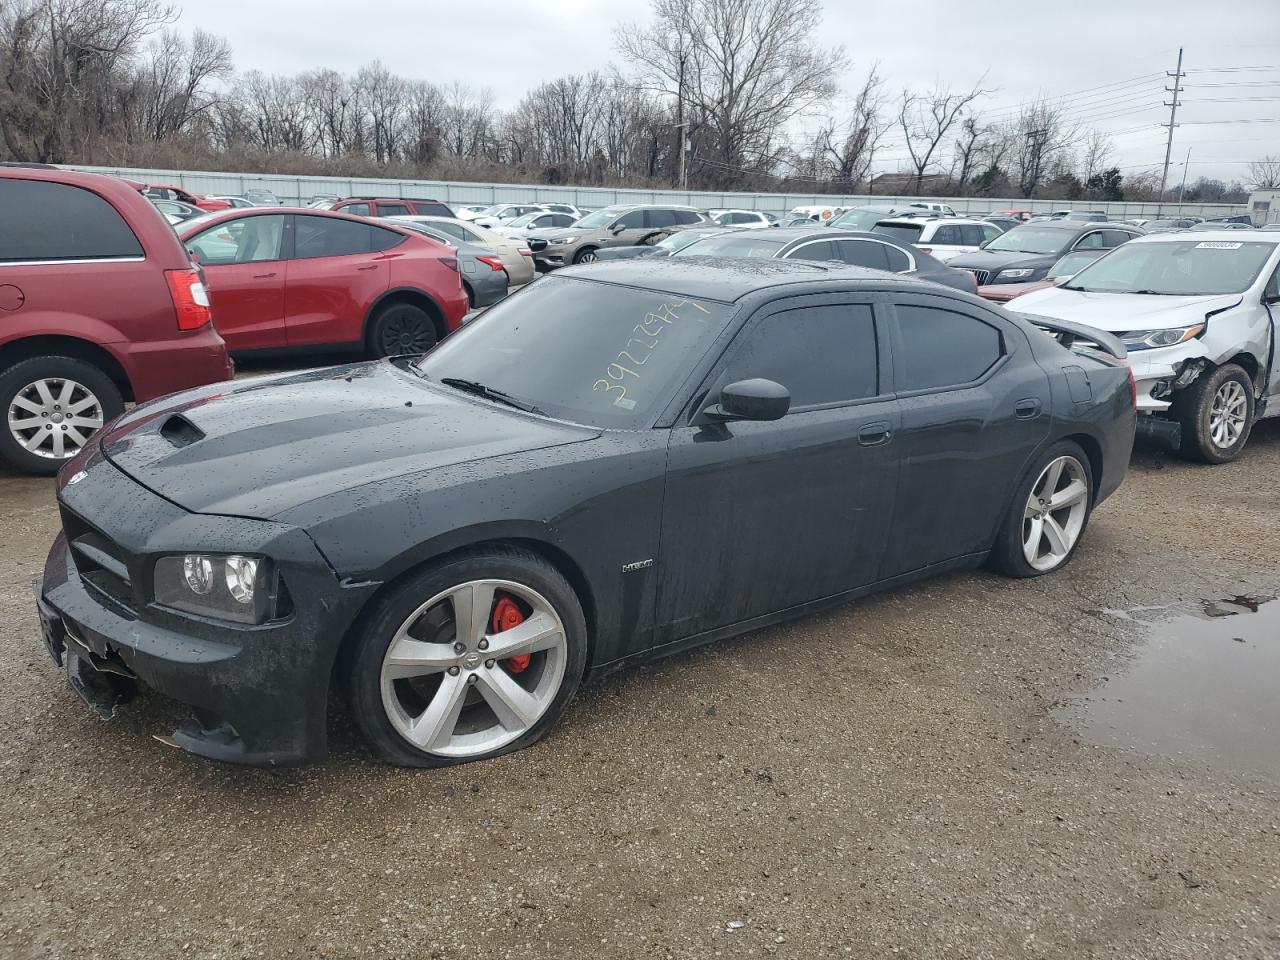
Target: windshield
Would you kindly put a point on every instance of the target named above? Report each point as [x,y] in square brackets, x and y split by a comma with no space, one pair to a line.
[748,243]
[1183,268]
[1072,264]
[681,239]
[616,355]
[906,232]
[859,219]
[598,219]
[1032,239]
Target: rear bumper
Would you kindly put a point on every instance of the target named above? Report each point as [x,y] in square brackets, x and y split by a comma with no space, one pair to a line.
[159,367]
[455,307]
[488,286]
[258,695]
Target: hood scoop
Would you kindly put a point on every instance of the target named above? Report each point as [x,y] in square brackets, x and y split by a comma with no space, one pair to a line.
[180,431]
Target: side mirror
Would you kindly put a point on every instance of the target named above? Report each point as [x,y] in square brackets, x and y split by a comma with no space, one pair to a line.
[756,399]
[617,228]
[1062,279]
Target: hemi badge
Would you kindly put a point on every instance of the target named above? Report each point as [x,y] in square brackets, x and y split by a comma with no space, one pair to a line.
[638,565]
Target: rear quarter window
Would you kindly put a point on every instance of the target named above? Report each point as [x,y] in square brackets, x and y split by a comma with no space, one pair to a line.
[942,348]
[60,222]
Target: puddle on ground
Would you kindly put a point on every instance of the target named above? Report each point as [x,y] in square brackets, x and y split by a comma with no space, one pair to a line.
[1205,687]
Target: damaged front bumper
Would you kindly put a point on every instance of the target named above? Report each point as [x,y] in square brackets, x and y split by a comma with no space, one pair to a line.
[257,694]
[1160,374]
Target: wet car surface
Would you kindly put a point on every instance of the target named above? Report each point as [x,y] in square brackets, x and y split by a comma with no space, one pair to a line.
[904,773]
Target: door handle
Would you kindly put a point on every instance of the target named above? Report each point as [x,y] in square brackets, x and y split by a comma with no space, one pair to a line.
[1026,409]
[874,434]
[372,266]
[264,276]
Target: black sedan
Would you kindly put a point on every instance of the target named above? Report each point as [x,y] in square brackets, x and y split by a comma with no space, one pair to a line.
[830,245]
[702,448]
[1025,254]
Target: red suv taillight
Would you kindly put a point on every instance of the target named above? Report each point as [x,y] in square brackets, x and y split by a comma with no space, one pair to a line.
[450,262]
[190,298]
[495,263]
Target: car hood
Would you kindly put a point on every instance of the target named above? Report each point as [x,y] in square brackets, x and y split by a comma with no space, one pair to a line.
[997,259]
[557,233]
[261,447]
[1121,312]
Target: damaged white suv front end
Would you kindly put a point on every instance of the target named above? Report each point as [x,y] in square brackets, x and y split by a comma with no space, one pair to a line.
[1198,313]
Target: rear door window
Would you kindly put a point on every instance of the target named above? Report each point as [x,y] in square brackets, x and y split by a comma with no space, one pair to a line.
[942,348]
[60,222]
[899,262]
[947,235]
[380,239]
[432,209]
[659,218]
[687,217]
[971,235]
[355,209]
[331,237]
[392,210]
[1113,238]
[862,253]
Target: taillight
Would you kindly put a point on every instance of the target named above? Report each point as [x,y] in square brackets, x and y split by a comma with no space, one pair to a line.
[190,298]
[525,252]
[450,262]
[494,263]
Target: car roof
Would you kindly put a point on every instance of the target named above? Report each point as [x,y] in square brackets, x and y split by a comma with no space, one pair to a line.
[911,221]
[1200,236]
[725,279]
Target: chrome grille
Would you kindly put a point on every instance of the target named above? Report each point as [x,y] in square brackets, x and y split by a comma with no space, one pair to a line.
[982,276]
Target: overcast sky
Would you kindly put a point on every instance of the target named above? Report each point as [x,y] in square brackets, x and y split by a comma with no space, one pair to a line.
[1105,56]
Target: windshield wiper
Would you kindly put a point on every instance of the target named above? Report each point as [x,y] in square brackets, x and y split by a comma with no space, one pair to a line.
[1154,293]
[489,393]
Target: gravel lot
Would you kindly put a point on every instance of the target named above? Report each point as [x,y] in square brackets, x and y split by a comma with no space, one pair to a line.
[915,775]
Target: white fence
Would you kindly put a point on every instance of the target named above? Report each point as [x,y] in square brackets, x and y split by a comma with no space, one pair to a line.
[294,190]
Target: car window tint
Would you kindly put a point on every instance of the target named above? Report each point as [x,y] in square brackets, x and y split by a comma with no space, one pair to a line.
[453,229]
[432,209]
[631,221]
[392,210]
[947,235]
[660,218]
[244,240]
[1090,241]
[60,222]
[941,348]
[687,217]
[971,234]
[355,209]
[1113,238]
[862,253]
[380,239]
[325,237]
[819,250]
[899,262]
[821,354]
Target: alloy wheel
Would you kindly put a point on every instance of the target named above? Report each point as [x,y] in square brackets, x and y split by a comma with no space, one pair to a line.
[54,417]
[587,256]
[405,333]
[474,668]
[1228,415]
[1055,513]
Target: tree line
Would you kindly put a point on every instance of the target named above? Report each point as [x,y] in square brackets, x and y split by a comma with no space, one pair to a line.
[711,95]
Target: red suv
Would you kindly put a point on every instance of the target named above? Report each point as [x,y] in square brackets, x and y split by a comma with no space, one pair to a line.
[166,192]
[99,304]
[388,207]
[285,278]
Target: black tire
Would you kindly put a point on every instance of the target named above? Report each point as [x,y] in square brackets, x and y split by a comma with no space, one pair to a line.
[585,255]
[471,295]
[1194,411]
[401,329]
[1007,556]
[19,376]
[497,562]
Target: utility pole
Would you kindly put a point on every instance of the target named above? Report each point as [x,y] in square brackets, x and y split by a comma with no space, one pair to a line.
[1036,139]
[1182,189]
[1173,113]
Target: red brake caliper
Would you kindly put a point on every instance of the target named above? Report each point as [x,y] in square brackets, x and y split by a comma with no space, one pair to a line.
[505,616]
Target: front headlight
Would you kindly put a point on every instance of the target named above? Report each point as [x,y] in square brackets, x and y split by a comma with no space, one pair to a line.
[558,241]
[242,589]
[1018,274]
[1150,339]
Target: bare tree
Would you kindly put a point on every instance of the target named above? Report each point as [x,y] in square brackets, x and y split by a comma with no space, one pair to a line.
[1042,132]
[743,68]
[1264,174]
[847,149]
[174,84]
[1096,148]
[971,144]
[926,118]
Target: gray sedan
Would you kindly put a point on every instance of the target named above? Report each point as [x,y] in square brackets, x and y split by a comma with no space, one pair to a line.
[483,276]
[827,244]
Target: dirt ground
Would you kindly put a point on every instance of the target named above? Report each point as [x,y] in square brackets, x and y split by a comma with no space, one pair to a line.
[909,776]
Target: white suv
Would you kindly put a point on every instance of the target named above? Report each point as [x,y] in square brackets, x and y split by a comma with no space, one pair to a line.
[1198,313]
[742,219]
[943,237]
